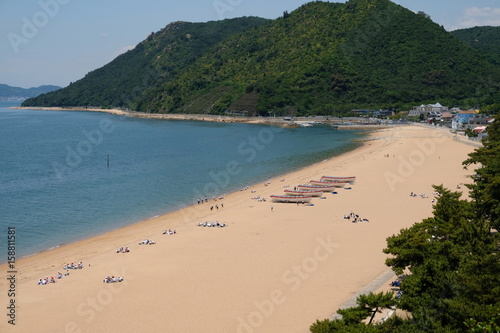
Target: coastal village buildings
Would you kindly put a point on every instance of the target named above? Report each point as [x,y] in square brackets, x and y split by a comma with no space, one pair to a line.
[447,117]
[428,110]
[461,120]
[454,118]
[479,119]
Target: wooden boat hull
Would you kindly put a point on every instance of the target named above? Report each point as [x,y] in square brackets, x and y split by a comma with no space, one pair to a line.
[351,179]
[291,198]
[320,183]
[316,188]
[317,193]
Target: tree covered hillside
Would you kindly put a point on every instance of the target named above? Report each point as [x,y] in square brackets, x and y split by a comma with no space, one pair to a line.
[485,39]
[159,58]
[322,58]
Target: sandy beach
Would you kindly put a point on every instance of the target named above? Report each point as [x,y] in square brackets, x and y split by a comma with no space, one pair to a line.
[275,267]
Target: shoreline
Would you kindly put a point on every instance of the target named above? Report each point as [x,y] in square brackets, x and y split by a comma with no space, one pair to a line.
[189,206]
[362,124]
[3,261]
[300,262]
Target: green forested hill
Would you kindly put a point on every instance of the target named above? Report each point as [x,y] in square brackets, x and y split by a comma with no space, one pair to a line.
[319,59]
[160,57]
[485,39]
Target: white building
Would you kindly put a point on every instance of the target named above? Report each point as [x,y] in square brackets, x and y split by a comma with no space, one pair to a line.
[433,110]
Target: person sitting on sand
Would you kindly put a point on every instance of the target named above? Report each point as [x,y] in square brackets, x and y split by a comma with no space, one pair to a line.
[168,232]
[395,283]
[69,266]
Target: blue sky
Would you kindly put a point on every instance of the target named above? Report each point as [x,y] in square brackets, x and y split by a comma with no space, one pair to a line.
[59,41]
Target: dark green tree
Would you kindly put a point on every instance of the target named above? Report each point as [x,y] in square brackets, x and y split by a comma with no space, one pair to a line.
[451,258]
[352,318]
[486,187]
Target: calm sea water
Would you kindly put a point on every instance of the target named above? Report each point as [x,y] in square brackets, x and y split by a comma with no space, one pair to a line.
[56,185]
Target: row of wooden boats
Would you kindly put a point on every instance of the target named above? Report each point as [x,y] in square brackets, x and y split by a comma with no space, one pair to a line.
[315,188]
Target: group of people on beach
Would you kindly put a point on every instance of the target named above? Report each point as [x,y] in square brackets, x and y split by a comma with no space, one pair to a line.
[216,206]
[212,224]
[259,199]
[421,195]
[73,266]
[169,232]
[66,267]
[355,218]
[202,200]
[46,281]
[147,242]
[112,279]
[123,249]
[205,199]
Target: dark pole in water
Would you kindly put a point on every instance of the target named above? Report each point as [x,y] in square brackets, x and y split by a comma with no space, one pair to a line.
[108,160]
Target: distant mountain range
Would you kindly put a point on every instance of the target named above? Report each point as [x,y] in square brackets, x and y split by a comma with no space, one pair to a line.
[323,58]
[15,93]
